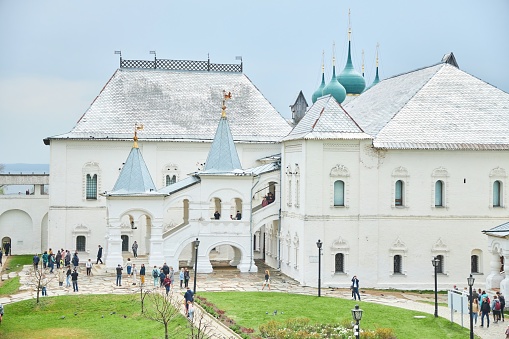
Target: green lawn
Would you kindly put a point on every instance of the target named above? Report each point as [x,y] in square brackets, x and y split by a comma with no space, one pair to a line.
[249,309]
[15,264]
[26,319]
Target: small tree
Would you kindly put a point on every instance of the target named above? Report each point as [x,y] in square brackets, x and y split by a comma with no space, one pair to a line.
[39,279]
[201,326]
[143,295]
[162,308]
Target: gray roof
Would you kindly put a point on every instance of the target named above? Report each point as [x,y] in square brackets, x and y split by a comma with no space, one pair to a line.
[180,185]
[134,178]
[223,155]
[178,105]
[326,119]
[266,168]
[437,107]
[499,231]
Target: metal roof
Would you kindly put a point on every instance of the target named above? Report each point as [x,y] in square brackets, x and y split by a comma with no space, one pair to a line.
[178,105]
[437,107]
[499,231]
[223,155]
[134,178]
[326,119]
[180,185]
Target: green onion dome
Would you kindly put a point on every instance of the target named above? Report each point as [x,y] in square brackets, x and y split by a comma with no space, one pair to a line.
[334,88]
[377,78]
[352,80]
[319,92]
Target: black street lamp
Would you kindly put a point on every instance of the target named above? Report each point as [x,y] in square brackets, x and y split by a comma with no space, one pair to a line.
[319,245]
[357,316]
[470,281]
[435,261]
[196,245]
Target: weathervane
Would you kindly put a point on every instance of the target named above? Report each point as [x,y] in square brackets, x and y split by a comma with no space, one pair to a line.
[137,127]
[226,96]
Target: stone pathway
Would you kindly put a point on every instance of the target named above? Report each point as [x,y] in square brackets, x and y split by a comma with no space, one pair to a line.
[232,280]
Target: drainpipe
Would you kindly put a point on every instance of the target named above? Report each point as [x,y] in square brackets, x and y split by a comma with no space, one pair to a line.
[279,221]
[251,225]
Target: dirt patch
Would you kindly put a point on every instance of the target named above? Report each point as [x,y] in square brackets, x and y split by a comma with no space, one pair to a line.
[55,333]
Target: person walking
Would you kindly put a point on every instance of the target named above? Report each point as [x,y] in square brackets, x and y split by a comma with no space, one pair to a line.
[167,284]
[485,312]
[129,266]
[501,298]
[188,297]
[119,275]
[44,285]
[1,256]
[75,260]
[142,275]
[190,311]
[74,278]
[135,249]
[162,276]
[99,255]
[186,277]
[45,259]
[51,262]
[68,276]
[155,276]
[266,282]
[61,277]
[355,288]
[58,258]
[172,276]
[35,261]
[474,310]
[134,272]
[495,307]
[181,277]
[88,265]
[67,260]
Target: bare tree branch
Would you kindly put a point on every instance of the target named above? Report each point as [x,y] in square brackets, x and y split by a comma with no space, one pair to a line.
[162,308]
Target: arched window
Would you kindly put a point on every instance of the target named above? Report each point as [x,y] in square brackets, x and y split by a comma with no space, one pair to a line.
[91,191]
[81,242]
[439,193]
[339,193]
[474,264]
[440,266]
[497,193]
[170,179]
[399,193]
[339,263]
[398,264]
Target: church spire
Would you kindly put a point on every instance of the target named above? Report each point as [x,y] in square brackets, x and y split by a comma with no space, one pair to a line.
[334,87]
[377,78]
[319,92]
[223,155]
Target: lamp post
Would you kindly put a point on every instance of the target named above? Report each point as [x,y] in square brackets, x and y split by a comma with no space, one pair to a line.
[319,245]
[357,316]
[435,261]
[470,281]
[196,245]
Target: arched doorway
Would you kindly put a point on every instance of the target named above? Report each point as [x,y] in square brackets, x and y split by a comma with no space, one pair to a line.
[6,245]
[125,243]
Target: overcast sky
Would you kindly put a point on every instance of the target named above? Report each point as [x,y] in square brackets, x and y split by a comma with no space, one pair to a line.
[56,56]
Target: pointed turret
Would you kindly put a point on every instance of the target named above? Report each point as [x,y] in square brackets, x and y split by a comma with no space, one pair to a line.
[223,155]
[352,80]
[134,178]
[319,92]
[334,88]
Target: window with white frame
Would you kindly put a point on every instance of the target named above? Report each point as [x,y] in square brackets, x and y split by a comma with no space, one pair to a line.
[296,251]
[439,189]
[398,264]
[339,179]
[497,178]
[339,263]
[81,242]
[475,261]
[400,186]
[170,174]
[440,251]
[91,180]
[397,252]
[297,185]
[289,185]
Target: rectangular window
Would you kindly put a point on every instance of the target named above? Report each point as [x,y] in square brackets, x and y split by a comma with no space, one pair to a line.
[339,193]
[399,193]
[474,264]
[397,264]
[439,193]
[339,263]
[91,187]
[497,189]
[80,243]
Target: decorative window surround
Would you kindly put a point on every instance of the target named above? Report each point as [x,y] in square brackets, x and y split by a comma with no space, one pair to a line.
[340,245]
[340,172]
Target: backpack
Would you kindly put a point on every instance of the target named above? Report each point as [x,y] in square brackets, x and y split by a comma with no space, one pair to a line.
[155,274]
[497,305]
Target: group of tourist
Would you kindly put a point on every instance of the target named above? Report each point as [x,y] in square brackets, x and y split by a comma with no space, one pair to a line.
[268,199]
[237,216]
[482,306]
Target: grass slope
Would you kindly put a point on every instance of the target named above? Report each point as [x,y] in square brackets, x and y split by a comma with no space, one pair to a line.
[26,319]
[249,309]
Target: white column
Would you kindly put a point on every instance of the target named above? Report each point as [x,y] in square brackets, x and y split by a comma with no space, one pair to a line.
[156,256]
[504,284]
[494,278]
[114,249]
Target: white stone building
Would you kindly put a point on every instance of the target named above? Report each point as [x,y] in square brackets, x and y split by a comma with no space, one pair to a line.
[412,168]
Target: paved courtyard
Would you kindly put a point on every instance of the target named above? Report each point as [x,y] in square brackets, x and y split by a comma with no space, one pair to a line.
[229,279]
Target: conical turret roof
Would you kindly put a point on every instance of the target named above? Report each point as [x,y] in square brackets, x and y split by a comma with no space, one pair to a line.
[134,178]
[223,155]
[319,92]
